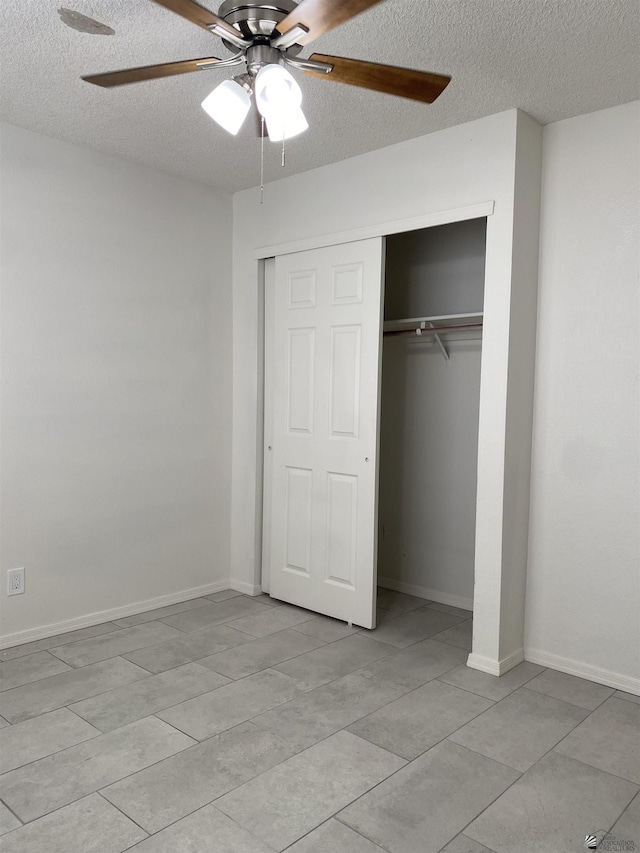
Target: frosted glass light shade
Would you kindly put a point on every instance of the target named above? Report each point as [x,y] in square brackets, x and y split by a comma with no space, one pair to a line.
[286,125]
[276,90]
[228,105]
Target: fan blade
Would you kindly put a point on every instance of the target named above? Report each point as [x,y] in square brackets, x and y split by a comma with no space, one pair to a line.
[404,82]
[320,16]
[192,11]
[148,72]
[197,14]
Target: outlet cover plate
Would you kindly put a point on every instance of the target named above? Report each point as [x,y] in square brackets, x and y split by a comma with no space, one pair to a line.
[15,581]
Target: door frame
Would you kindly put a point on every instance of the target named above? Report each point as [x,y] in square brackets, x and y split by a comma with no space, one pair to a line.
[265,258]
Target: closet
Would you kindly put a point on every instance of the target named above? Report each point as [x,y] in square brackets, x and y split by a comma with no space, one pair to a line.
[371,419]
[434,279]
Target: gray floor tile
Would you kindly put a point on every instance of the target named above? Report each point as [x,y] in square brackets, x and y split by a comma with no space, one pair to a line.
[570,689]
[8,821]
[460,635]
[111,645]
[488,685]
[223,595]
[166,792]
[454,611]
[403,631]
[627,827]
[3,722]
[15,673]
[463,844]
[285,803]
[521,728]
[552,808]
[22,703]
[161,612]
[430,801]
[384,616]
[324,711]
[89,826]
[334,837]
[57,640]
[609,739]
[416,722]
[42,736]
[398,602]
[215,614]
[228,706]
[187,648]
[327,629]
[628,697]
[336,659]
[55,781]
[275,619]
[257,655]
[203,831]
[132,702]
[416,665]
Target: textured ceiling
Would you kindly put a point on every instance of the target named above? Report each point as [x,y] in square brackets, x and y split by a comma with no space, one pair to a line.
[552,58]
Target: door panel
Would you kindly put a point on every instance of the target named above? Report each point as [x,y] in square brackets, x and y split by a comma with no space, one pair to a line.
[324,369]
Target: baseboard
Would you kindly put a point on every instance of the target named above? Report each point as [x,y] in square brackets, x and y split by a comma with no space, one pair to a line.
[424,592]
[493,666]
[626,683]
[246,588]
[19,637]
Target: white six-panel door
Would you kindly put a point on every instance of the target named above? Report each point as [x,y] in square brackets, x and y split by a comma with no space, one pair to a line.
[324,369]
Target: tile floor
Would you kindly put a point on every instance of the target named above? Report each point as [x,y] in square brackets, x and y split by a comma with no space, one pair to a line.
[230,724]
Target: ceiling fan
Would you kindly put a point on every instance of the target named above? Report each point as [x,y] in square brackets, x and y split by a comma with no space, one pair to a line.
[265,36]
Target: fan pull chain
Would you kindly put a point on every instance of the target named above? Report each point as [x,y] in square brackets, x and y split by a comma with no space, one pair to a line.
[262,161]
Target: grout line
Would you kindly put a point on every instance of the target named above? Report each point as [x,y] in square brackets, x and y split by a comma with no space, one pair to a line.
[566,702]
[324,823]
[336,816]
[9,809]
[469,690]
[117,808]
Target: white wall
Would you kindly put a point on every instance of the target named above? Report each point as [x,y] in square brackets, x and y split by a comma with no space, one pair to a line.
[455,168]
[583,588]
[428,468]
[116,385]
[436,270]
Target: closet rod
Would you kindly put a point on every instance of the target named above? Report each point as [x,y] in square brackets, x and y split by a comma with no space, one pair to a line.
[435,330]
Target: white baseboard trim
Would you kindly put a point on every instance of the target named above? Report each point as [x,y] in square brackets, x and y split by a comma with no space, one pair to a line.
[424,592]
[626,683]
[55,628]
[246,588]
[493,666]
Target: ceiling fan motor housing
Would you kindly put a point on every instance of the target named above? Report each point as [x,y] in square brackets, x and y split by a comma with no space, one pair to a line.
[256,20]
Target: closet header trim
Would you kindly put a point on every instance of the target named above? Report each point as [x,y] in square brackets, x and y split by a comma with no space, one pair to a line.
[381,229]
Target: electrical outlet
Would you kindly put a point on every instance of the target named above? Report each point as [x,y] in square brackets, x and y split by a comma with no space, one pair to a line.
[15,581]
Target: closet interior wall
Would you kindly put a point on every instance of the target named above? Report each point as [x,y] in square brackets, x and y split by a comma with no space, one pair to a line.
[429,416]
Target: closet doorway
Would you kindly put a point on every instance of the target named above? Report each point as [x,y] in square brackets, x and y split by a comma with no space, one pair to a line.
[429,411]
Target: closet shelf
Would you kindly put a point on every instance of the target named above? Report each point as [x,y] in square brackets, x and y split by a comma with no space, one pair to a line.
[410,324]
[443,324]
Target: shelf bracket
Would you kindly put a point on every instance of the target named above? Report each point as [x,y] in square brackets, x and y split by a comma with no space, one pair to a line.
[438,339]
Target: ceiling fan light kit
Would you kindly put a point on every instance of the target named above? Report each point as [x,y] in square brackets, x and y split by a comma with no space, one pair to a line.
[265,36]
[278,98]
[228,105]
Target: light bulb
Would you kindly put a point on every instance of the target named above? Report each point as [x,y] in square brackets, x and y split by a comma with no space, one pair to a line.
[286,125]
[228,105]
[276,90]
